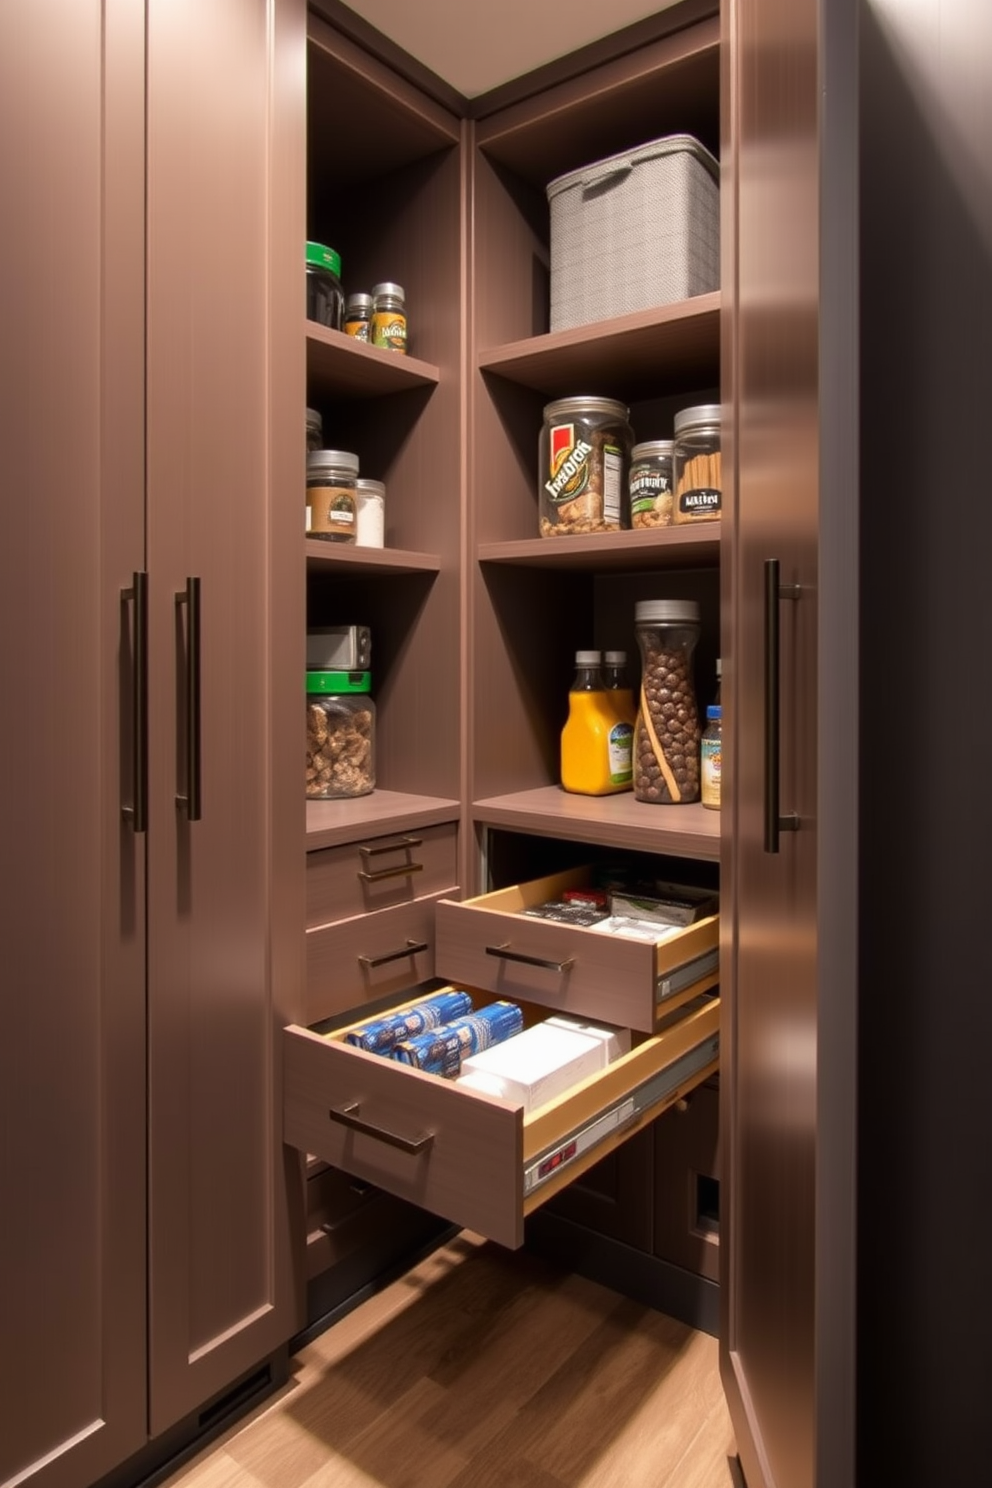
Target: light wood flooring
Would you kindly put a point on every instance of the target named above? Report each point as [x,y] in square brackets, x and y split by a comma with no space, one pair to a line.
[485,1368]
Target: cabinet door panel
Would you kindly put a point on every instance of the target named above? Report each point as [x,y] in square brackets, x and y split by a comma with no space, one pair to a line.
[224,376]
[72,1229]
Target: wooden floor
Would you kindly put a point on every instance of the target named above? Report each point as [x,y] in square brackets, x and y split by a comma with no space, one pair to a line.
[485,1368]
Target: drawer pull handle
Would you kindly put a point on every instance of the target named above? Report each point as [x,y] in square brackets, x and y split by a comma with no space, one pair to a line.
[412,948]
[404,869]
[348,1116]
[375,852]
[507,955]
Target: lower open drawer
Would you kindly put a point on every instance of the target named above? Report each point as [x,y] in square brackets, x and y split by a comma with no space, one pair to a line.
[472,1158]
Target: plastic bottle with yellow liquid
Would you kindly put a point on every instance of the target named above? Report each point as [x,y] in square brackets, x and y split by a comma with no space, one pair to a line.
[596,742]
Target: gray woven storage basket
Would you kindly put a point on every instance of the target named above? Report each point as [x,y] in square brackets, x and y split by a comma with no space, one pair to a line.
[635,230]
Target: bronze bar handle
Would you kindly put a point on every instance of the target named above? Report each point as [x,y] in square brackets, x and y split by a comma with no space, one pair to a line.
[404,869]
[193,799]
[412,948]
[137,812]
[774,593]
[348,1116]
[375,852]
[507,955]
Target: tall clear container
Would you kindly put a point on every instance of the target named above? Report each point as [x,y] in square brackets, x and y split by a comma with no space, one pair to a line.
[340,735]
[697,465]
[667,734]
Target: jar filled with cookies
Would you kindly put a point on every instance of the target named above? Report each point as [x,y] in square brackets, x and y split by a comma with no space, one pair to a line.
[667,733]
[584,460]
[340,735]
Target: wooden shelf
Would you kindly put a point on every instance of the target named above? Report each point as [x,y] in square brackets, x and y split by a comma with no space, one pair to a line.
[611,821]
[649,354]
[330,823]
[340,366]
[666,547]
[324,555]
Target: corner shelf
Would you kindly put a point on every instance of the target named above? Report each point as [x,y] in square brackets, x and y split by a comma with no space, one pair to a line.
[610,821]
[325,556]
[340,366]
[668,547]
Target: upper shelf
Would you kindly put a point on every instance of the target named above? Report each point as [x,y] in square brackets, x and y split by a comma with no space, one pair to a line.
[650,353]
[668,547]
[347,556]
[338,365]
[612,821]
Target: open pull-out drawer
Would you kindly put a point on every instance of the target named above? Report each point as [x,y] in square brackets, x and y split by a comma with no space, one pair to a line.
[472,1158]
[489,942]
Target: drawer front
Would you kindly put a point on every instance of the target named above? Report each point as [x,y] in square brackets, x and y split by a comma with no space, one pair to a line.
[487,942]
[367,957]
[378,873]
[471,1158]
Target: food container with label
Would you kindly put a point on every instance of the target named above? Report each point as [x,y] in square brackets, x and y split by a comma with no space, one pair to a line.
[696,465]
[667,733]
[325,297]
[358,317]
[370,513]
[651,483]
[332,477]
[583,461]
[340,735]
[389,317]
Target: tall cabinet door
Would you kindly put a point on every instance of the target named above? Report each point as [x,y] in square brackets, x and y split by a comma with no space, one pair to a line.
[225,483]
[789,369]
[72,924]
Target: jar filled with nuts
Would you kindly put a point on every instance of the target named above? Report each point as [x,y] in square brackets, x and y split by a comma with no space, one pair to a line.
[667,735]
[340,735]
[651,483]
[583,461]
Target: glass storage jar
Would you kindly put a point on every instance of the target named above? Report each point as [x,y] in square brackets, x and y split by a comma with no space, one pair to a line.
[388,317]
[358,317]
[325,297]
[332,477]
[370,513]
[340,735]
[315,430]
[583,458]
[696,464]
[651,483]
[667,734]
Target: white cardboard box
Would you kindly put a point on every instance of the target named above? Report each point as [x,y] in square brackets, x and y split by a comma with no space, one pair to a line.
[615,1041]
[535,1066]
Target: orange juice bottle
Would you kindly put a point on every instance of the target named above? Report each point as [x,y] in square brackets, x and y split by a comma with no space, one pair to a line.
[619,689]
[596,743]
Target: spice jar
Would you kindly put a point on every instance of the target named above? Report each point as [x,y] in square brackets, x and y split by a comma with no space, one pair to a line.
[388,317]
[340,735]
[325,297]
[370,514]
[651,483]
[696,464]
[332,476]
[315,430]
[667,734]
[583,462]
[711,757]
[358,317]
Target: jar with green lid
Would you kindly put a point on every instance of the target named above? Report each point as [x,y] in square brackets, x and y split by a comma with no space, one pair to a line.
[667,734]
[325,296]
[389,317]
[583,463]
[696,465]
[651,483]
[340,735]
[332,477]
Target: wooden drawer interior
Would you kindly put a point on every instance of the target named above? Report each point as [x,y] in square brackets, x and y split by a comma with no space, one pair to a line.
[472,1158]
[488,942]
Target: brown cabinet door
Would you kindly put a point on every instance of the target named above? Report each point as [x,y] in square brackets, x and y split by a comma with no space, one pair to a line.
[225,486]
[72,1082]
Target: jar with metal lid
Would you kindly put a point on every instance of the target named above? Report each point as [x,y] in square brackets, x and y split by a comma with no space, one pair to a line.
[325,297]
[332,476]
[583,460]
[340,735]
[651,483]
[315,430]
[667,734]
[358,317]
[370,514]
[389,317]
[696,465]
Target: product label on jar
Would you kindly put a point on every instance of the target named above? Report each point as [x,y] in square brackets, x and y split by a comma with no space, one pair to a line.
[331,511]
[621,753]
[569,462]
[710,765]
[700,503]
[389,330]
[357,328]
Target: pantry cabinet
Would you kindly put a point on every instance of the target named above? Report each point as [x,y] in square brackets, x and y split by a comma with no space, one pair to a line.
[152,873]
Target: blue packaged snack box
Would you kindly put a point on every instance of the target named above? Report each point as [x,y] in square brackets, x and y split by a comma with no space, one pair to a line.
[440,1051]
[381,1035]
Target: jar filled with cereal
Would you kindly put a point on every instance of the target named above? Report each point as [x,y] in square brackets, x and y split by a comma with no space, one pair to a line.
[667,733]
[340,735]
